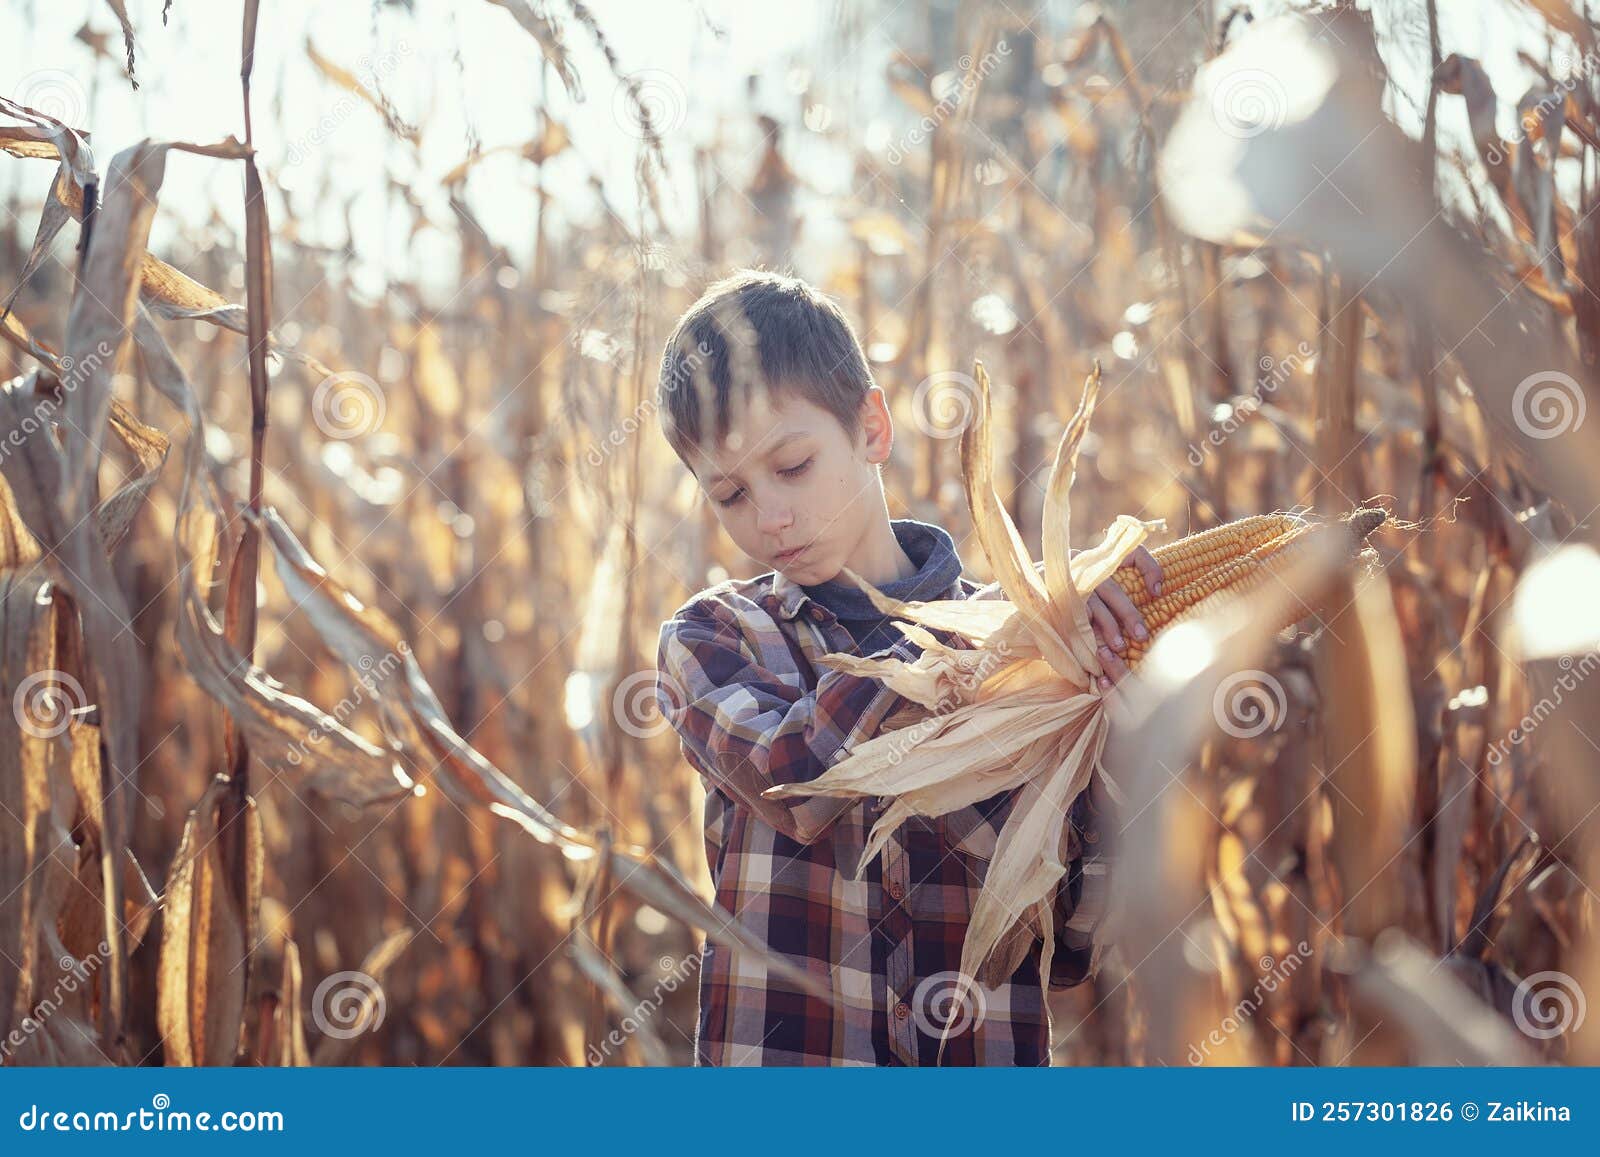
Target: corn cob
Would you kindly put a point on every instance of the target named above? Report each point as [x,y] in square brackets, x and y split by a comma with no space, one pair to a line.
[1197,554]
[1243,574]
[1224,561]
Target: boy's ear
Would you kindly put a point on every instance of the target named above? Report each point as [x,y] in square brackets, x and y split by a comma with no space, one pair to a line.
[877,427]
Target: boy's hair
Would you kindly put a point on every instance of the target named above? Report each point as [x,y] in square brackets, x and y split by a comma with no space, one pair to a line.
[758,329]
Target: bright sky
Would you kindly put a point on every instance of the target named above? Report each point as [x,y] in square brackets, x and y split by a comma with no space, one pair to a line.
[190,90]
[695,81]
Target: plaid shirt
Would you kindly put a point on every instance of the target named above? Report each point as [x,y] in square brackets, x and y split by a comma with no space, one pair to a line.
[740,680]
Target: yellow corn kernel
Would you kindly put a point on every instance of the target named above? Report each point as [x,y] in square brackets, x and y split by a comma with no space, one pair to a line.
[1195,554]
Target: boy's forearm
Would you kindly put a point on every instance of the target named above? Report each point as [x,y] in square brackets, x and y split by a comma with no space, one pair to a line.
[746,730]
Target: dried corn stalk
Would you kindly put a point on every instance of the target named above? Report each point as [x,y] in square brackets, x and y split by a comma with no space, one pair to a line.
[200,986]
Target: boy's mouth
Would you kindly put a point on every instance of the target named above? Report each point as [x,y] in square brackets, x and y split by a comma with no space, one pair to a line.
[789,556]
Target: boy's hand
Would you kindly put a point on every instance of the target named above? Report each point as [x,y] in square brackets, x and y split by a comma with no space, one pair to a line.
[1116,619]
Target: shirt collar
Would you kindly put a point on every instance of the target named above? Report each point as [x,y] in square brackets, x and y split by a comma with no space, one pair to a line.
[792,599]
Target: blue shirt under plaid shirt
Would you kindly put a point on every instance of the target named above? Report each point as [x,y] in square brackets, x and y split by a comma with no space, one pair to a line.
[741,681]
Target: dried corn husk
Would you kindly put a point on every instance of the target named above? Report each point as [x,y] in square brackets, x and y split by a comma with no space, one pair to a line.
[1021,709]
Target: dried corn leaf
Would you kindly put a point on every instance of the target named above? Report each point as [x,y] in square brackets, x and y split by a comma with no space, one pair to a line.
[280,1026]
[31,402]
[1027,867]
[962,757]
[1067,608]
[55,215]
[13,331]
[82,922]
[348,81]
[164,288]
[294,1051]
[43,136]
[37,858]
[975,619]
[27,143]
[208,930]
[18,547]
[1003,547]
[593,964]
[547,35]
[84,916]
[552,140]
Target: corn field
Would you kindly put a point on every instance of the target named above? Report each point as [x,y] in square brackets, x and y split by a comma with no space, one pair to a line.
[329,598]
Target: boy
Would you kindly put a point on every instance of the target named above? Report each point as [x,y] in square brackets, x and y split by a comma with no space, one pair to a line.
[767,398]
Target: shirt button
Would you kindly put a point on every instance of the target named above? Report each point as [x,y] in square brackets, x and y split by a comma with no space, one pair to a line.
[896,892]
[818,615]
[902,1010]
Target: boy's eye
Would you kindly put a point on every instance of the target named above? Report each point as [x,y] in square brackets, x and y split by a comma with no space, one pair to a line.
[791,472]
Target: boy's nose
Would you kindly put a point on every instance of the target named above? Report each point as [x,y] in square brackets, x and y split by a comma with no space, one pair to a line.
[774,519]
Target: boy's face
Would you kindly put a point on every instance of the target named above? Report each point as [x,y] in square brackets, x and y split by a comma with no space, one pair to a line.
[791,488]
